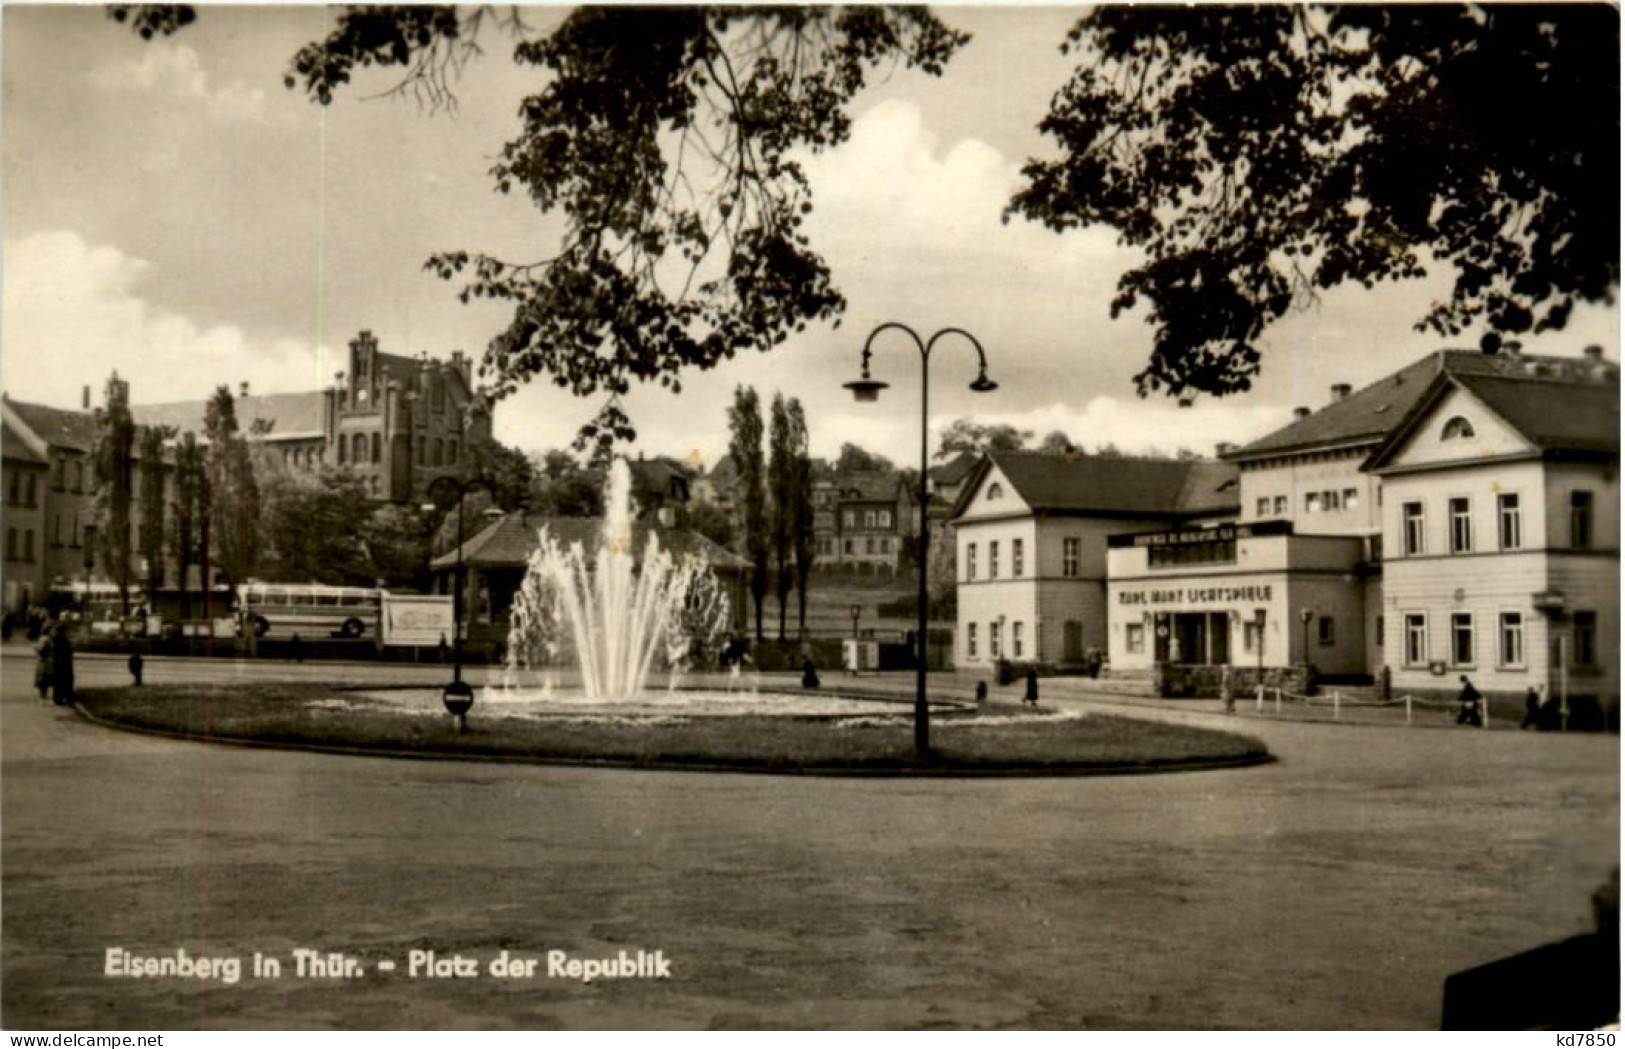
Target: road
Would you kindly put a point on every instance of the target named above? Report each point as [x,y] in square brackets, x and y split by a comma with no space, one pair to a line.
[1336,888]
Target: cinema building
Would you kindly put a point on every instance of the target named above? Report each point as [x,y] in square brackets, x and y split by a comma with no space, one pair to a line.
[1457,516]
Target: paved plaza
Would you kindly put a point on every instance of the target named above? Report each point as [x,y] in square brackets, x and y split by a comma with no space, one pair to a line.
[1335,888]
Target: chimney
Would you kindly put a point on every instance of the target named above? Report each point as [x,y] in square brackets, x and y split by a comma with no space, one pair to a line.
[85,401]
[1300,412]
[242,389]
[1593,353]
[1223,448]
[1341,390]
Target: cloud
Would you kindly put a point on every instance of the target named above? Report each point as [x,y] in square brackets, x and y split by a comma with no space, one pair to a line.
[74,314]
[175,71]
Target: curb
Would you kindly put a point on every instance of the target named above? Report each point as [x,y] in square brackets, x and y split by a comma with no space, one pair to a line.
[626,764]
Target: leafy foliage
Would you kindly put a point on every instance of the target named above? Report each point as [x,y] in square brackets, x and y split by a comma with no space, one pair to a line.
[664,137]
[112,460]
[966,435]
[190,507]
[781,472]
[1259,154]
[312,526]
[856,460]
[150,20]
[750,490]
[154,506]
[800,502]
[232,491]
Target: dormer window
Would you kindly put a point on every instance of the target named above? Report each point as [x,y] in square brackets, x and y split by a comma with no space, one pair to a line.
[1456,428]
[995,491]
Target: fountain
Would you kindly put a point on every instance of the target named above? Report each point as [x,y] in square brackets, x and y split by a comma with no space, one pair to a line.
[611,611]
[617,617]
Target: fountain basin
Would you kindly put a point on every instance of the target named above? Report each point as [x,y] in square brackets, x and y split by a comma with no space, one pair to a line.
[539,704]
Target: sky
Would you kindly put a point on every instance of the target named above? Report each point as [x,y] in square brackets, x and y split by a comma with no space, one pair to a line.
[172,212]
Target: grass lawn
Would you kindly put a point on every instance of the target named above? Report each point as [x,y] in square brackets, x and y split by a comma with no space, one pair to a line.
[1008,741]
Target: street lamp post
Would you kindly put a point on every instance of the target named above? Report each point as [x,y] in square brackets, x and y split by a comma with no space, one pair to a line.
[1306,616]
[866,389]
[458,696]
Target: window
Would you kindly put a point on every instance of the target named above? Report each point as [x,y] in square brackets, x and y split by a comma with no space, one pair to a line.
[1580,520]
[1415,528]
[970,640]
[849,519]
[1328,631]
[995,491]
[1207,552]
[56,531]
[451,452]
[74,535]
[11,544]
[377,447]
[1512,639]
[1511,520]
[28,547]
[1280,504]
[970,562]
[438,397]
[59,473]
[1069,556]
[885,518]
[1351,498]
[993,639]
[1379,631]
[1134,637]
[848,547]
[1461,526]
[1456,428]
[1311,503]
[1016,558]
[1263,506]
[14,489]
[358,448]
[1252,633]
[1015,639]
[1585,637]
[869,545]
[1330,500]
[29,495]
[1461,639]
[78,476]
[868,519]
[423,450]
[1416,639]
[993,560]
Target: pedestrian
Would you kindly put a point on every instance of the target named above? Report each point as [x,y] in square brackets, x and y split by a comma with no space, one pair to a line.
[981,692]
[296,648]
[1469,701]
[61,667]
[1531,709]
[136,663]
[42,665]
[1226,691]
[444,648]
[1032,686]
[809,673]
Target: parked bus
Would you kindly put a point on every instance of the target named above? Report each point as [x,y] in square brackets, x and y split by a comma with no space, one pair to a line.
[311,610]
[102,607]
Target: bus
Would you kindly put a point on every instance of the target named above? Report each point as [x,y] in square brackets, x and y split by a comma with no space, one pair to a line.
[310,610]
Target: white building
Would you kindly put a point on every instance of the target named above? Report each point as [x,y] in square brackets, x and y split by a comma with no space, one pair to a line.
[1031,532]
[1501,531]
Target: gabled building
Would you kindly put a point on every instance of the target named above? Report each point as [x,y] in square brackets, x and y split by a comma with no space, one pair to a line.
[874,513]
[1031,535]
[1500,523]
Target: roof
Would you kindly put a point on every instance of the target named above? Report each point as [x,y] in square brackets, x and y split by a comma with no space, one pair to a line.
[658,474]
[1369,414]
[58,427]
[509,542]
[16,447]
[1112,484]
[954,470]
[1558,417]
[878,486]
[289,414]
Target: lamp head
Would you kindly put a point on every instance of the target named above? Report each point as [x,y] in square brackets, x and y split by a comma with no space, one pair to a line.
[865,390]
[983,384]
